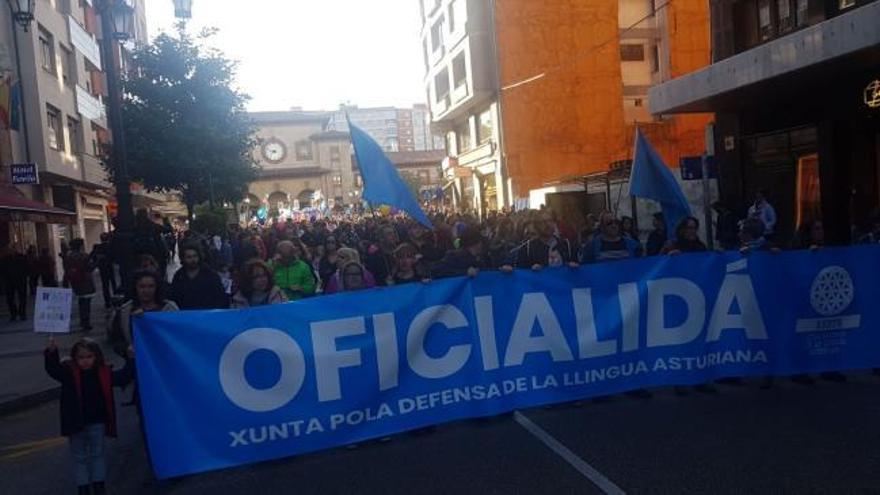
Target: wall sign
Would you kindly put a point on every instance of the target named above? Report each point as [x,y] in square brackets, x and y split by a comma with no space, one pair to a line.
[24,173]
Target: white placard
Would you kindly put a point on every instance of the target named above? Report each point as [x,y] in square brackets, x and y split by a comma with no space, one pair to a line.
[52,310]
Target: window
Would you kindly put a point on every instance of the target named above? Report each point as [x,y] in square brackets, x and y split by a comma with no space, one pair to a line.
[424,177]
[463,136]
[785,15]
[53,126]
[441,85]
[437,36]
[765,20]
[803,12]
[655,58]
[303,151]
[334,153]
[74,132]
[67,66]
[47,51]
[632,53]
[451,16]
[459,71]
[358,180]
[485,128]
[391,144]
[337,180]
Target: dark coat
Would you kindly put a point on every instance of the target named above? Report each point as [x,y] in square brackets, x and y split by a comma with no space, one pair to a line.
[203,292]
[78,273]
[537,252]
[70,378]
[456,264]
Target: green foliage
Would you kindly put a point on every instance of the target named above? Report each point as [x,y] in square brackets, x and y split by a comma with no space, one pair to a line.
[186,127]
[413,183]
[210,221]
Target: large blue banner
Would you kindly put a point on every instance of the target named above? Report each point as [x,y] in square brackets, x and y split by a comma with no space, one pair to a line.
[224,388]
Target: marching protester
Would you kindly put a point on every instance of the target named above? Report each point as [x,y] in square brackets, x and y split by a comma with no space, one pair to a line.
[468,260]
[810,235]
[149,296]
[327,265]
[258,287]
[762,210]
[291,273]
[147,239]
[657,237]
[46,269]
[102,258]
[345,256]
[78,276]
[380,256]
[33,269]
[545,248]
[15,280]
[752,238]
[353,276]
[406,268]
[195,286]
[609,244]
[88,408]
[686,239]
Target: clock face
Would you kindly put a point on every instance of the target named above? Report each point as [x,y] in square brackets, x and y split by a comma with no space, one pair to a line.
[274,151]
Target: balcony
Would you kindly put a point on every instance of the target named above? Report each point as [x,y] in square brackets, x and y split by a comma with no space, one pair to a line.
[88,106]
[786,61]
[84,42]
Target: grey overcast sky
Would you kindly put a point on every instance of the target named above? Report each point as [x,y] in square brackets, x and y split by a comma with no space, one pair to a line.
[314,54]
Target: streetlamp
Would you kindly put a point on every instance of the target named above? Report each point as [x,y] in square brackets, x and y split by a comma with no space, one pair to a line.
[122,15]
[22,15]
[117,24]
[183,9]
[22,12]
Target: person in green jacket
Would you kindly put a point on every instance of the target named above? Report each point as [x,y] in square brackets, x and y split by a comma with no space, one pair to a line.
[291,274]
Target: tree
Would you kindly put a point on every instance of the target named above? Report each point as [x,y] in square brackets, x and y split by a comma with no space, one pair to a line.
[414,183]
[186,127]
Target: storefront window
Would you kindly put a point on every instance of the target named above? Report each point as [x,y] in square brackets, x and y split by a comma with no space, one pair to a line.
[809,204]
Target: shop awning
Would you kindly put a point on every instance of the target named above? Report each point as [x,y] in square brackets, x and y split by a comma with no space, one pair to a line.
[15,207]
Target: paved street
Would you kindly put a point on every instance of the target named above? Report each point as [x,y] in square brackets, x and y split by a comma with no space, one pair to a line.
[791,439]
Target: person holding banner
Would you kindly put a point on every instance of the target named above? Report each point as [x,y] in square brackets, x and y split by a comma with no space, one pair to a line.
[149,291]
[545,248]
[380,256]
[686,238]
[609,244]
[257,287]
[88,408]
[467,260]
[344,257]
[406,268]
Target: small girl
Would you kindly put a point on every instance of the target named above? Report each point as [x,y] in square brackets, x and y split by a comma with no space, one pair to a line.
[88,409]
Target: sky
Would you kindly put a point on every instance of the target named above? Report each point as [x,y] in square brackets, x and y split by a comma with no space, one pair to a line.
[313,54]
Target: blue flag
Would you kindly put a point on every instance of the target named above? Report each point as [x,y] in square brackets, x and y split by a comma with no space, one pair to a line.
[652,179]
[382,182]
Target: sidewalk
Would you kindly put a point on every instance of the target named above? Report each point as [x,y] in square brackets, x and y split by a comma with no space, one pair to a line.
[23,381]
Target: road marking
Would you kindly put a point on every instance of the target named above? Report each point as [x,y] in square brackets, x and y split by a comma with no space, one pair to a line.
[15,451]
[607,486]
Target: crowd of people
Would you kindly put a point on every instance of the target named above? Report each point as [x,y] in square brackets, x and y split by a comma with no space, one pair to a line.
[283,261]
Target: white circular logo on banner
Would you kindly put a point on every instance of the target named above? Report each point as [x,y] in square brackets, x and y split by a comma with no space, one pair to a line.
[832,291]
[232,376]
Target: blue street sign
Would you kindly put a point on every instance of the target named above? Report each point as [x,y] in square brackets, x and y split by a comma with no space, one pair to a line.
[692,168]
[24,173]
